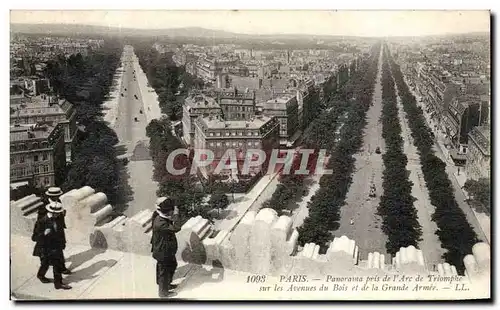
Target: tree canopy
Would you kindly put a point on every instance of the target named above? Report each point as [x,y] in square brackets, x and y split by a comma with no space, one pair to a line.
[85,82]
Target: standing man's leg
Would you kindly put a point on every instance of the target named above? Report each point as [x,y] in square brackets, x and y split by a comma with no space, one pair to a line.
[42,271]
[65,270]
[58,266]
[162,278]
[172,266]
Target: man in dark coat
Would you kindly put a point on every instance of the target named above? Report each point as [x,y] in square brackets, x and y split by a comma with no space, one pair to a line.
[164,245]
[53,194]
[50,243]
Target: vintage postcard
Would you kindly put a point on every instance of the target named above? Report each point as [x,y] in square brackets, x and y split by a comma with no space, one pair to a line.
[207,155]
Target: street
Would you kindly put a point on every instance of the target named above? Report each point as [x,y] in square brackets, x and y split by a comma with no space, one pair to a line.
[130,126]
[366,228]
[430,243]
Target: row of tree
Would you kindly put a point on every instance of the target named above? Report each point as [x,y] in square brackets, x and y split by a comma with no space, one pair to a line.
[318,135]
[170,82]
[324,207]
[399,216]
[86,82]
[454,231]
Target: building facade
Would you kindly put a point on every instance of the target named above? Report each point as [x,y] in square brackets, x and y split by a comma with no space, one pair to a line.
[215,134]
[196,105]
[236,105]
[37,155]
[285,109]
[478,163]
[48,110]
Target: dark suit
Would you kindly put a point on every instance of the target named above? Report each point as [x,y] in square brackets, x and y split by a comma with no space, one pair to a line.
[49,247]
[42,211]
[164,248]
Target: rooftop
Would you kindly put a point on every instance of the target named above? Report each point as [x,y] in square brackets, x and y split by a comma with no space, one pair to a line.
[482,136]
[200,100]
[278,103]
[39,106]
[23,133]
[217,123]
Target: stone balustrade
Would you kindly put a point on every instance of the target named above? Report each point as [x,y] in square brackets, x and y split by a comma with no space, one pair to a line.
[23,214]
[262,243]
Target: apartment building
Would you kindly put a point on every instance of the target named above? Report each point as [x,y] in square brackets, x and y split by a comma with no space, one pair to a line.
[49,110]
[478,154]
[219,135]
[37,155]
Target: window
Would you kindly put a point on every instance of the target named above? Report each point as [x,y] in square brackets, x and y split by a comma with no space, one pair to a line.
[44,156]
[45,168]
[12,160]
[21,159]
[211,144]
[249,143]
[211,134]
[35,157]
[227,133]
[217,134]
[218,144]
[240,143]
[233,133]
[46,181]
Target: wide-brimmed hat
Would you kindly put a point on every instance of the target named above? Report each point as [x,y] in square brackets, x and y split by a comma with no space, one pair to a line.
[166,205]
[55,207]
[54,192]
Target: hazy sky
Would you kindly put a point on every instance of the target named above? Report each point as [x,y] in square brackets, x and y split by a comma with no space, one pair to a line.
[356,23]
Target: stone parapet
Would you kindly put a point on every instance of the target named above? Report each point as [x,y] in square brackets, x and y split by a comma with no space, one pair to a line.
[262,243]
[23,214]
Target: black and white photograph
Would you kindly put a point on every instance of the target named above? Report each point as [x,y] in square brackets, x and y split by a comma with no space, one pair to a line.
[252,155]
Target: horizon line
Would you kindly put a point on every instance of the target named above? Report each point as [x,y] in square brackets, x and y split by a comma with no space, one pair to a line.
[255,34]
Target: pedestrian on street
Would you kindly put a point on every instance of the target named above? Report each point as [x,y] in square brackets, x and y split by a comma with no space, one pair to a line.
[164,245]
[50,243]
[53,194]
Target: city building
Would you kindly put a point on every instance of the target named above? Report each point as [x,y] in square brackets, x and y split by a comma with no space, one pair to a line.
[196,105]
[46,109]
[219,135]
[461,116]
[37,155]
[285,109]
[478,154]
[236,105]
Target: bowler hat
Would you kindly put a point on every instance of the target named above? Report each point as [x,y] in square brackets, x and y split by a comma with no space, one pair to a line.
[54,191]
[55,207]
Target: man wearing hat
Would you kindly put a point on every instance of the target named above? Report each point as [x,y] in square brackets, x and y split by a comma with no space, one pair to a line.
[53,194]
[164,244]
[51,240]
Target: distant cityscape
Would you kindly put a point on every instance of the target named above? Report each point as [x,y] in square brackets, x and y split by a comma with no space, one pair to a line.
[135,130]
